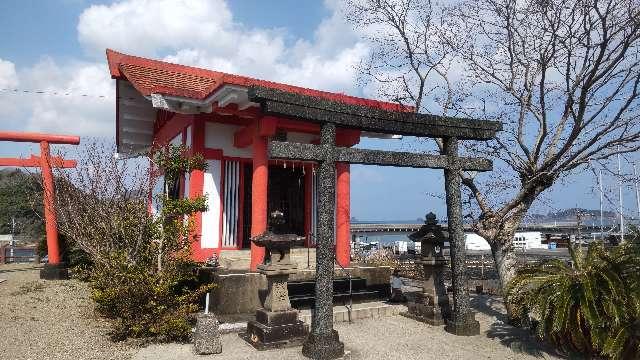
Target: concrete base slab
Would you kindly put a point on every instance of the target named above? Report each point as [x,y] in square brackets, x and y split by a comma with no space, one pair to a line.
[273,345]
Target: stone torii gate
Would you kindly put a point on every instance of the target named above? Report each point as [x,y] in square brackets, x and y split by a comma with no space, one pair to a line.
[55,268]
[323,341]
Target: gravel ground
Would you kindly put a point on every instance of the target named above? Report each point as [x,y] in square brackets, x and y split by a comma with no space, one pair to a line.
[394,337]
[50,319]
[55,320]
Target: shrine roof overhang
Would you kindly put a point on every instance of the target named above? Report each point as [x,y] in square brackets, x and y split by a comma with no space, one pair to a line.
[145,86]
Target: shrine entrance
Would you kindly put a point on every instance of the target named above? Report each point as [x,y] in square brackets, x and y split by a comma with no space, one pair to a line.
[286,193]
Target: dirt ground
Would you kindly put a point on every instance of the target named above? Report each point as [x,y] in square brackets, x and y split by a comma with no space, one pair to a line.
[56,320]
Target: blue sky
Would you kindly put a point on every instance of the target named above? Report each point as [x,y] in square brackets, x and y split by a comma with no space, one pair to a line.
[58,46]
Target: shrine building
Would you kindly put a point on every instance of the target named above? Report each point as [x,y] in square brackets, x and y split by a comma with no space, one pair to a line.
[208,111]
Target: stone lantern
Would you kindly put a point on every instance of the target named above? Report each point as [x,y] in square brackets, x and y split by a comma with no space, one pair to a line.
[277,323]
[432,304]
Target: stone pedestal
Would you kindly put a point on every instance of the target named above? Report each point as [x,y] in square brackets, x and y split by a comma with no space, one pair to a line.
[275,329]
[323,346]
[277,324]
[466,326]
[58,271]
[206,339]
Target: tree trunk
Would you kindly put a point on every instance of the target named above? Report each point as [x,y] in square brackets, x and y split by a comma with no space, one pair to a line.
[505,261]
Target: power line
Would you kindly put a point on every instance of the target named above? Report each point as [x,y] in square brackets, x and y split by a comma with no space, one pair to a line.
[60,93]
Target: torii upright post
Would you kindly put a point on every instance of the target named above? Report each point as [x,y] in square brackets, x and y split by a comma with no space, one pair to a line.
[55,268]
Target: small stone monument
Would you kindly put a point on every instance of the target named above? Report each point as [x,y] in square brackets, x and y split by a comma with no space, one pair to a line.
[432,304]
[276,324]
[206,339]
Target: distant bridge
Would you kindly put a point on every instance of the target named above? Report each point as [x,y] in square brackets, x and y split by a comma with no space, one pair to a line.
[555,228]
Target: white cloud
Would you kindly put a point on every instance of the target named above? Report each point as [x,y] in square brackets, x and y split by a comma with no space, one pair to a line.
[8,75]
[76,98]
[146,27]
[203,33]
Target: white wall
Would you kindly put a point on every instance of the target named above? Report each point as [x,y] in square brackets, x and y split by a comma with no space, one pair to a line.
[211,218]
[220,136]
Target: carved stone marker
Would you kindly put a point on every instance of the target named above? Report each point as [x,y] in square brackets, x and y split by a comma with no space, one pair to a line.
[276,324]
[206,339]
[432,304]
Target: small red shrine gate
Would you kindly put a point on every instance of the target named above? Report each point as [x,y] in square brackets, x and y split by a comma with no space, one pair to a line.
[55,269]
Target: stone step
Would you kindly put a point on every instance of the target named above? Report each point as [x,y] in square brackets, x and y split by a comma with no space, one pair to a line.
[369,310]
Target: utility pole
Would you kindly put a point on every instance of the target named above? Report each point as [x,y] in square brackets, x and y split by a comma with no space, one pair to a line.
[620,197]
[579,222]
[13,240]
[601,205]
[635,182]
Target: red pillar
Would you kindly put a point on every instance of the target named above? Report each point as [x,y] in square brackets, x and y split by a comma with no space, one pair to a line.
[343,214]
[196,189]
[51,228]
[259,184]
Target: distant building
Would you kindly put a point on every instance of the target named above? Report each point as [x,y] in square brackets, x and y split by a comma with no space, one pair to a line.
[521,240]
[475,242]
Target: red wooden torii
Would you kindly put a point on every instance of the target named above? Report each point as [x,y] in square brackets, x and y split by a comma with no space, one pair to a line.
[55,269]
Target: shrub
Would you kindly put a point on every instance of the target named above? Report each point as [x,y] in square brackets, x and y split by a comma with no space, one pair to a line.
[147,303]
[140,271]
[592,307]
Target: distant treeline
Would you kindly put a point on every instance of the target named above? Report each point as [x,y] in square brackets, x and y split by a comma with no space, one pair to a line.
[21,199]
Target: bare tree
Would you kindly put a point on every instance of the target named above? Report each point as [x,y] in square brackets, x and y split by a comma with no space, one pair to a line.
[563,77]
[102,205]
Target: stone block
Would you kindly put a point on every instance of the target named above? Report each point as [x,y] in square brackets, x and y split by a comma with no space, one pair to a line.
[467,326]
[206,339]
[323,346]
[425,313]
[270,318]
[238,293]
[264,337]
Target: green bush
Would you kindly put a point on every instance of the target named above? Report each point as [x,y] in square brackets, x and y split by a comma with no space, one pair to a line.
[591,306]
[147,303]
[140,270]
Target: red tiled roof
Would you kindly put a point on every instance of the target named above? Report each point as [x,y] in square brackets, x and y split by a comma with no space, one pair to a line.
[152,76]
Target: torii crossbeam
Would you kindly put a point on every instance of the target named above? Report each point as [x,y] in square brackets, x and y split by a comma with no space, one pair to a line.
[54,269]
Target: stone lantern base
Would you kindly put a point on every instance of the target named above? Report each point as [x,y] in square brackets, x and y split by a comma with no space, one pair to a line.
[277,324]
[275,329]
